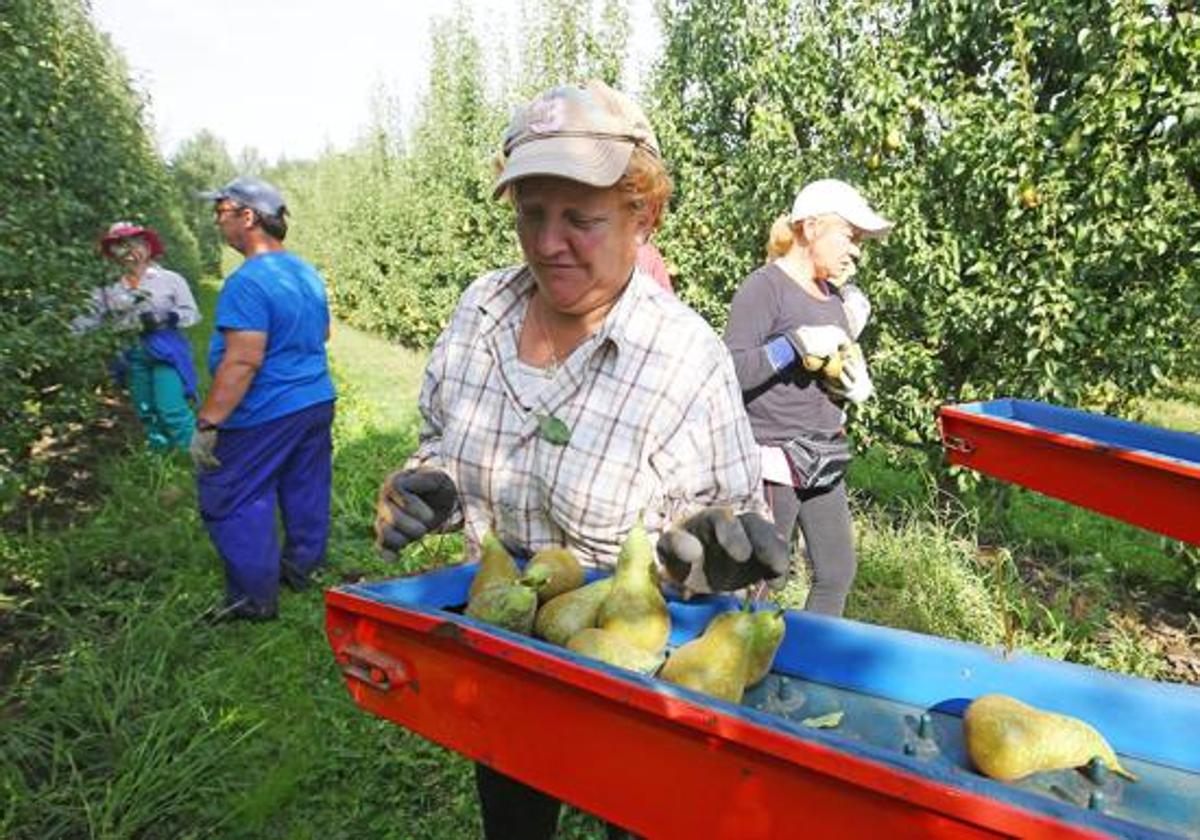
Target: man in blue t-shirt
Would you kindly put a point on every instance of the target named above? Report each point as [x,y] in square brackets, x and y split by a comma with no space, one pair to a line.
[263,435]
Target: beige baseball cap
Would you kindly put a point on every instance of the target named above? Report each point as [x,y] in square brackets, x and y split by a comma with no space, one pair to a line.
[831,196]
[585,133]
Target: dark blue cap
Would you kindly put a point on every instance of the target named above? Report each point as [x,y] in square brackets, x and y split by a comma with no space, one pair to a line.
[254,193]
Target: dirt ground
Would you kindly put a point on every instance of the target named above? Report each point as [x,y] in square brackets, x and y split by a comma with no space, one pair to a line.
[1176,637]
[1164,626]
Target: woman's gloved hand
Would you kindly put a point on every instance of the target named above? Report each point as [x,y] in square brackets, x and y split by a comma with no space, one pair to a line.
[857,308]
[847,379]
[411,504]
[154,320]
[717,550]
[824,340]
[817,345]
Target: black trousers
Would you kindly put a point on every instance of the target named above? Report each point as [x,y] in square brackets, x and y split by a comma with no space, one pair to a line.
[513,810]
[824,518]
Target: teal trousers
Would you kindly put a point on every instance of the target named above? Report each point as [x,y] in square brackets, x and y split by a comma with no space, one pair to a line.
[160,402]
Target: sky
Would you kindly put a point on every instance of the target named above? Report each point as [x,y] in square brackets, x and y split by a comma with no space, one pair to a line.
[289,78]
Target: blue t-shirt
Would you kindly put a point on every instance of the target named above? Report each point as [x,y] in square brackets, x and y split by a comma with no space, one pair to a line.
[283,296]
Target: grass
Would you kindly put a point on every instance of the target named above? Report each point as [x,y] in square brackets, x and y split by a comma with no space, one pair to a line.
[136,720]
[387,383]
[123,715]
[917,575]
[1177,408]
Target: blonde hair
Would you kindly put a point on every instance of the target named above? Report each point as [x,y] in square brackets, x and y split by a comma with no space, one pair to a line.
[781,238]
[784,235]
[647,181]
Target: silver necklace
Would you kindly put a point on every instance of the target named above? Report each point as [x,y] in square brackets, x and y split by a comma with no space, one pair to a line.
[541,322]
[551,428]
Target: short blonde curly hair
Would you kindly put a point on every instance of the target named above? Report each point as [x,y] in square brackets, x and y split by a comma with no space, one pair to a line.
[649,184]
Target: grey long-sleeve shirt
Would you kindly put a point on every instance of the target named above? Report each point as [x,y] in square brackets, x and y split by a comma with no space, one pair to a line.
[160,291]
[780,403]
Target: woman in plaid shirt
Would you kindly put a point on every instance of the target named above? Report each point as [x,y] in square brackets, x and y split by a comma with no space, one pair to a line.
[572,394]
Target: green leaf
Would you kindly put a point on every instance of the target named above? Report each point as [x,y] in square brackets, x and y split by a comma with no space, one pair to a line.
[829,721]
[554,430]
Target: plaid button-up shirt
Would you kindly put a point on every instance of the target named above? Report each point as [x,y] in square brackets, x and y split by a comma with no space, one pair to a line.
[651,400]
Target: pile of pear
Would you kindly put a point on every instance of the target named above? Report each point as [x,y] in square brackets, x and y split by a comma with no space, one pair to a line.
[734,652]
[500,594]
[622,620]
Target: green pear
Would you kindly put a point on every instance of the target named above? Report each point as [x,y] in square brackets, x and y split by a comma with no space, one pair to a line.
[508,605]
[496,566]
[635,608]
[562,617]
[1008,740]
[561,570]
[607,646]
[716,663]
[764,643]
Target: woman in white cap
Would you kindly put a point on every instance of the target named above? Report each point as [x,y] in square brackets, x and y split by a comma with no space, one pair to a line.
[571,395]
[792,330]
[157,303]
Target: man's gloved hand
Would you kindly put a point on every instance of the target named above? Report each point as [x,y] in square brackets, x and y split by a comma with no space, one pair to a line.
[817,345]
[411,504]
[847,379]
[717,550]
[203,448]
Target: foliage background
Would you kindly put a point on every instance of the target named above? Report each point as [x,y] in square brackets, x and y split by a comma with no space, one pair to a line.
[1040,161]
[75,156]
[201,163]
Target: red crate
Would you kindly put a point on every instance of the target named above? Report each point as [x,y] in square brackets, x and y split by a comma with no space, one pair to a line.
[1136,473]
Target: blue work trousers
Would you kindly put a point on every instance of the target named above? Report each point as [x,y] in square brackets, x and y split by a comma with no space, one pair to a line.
[286,463]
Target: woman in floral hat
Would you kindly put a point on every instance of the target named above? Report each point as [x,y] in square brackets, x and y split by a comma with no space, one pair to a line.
[156,303]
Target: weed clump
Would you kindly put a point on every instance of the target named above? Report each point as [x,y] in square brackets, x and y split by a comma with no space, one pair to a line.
[917,576]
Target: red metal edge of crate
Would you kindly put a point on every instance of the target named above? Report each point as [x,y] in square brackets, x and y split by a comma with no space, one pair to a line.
[656,764]
[1154,493]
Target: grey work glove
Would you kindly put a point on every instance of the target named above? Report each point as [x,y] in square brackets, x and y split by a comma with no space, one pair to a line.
[203,449]
[717,550]
[411,504]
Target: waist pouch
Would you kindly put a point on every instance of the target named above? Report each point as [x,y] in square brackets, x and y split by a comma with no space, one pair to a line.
[817,460]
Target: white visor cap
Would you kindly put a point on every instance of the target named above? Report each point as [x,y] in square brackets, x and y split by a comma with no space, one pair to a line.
[831,196]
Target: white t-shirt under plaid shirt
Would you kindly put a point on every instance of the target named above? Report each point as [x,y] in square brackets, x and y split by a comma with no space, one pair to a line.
[651,401]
